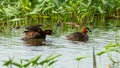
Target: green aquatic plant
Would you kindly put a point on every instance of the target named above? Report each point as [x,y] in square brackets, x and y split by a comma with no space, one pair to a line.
[94,59]
[28,12]
[50,60]
[34,62]
[109,49]
[79,59]
[8,63]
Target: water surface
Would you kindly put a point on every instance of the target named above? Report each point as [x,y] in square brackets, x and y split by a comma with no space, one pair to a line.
[13,46]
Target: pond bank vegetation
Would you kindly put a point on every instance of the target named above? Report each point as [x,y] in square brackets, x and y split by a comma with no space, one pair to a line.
[16,13]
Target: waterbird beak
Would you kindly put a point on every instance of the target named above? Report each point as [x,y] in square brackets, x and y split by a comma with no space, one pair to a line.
[88,29]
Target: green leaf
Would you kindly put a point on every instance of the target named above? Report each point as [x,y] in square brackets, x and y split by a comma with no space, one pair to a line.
[52,62]
[48,59]
[33,61]
[7,63]
[100,10]
[16,64]
[101,52]
[10,11]
[42,62]
[17,19]
[47,8]
[85,14]
[26,65]
[81,57]
[58,3]
[110,48]
[104,2]
[53,57]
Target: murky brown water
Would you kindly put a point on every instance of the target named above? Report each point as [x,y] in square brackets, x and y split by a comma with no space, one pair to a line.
[99,38]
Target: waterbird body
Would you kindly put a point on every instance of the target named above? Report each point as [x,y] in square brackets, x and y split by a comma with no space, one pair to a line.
[79,36]
[34,34]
